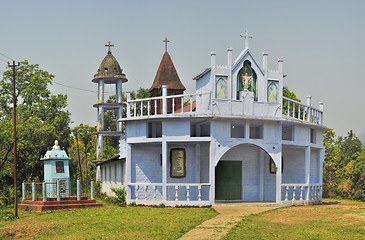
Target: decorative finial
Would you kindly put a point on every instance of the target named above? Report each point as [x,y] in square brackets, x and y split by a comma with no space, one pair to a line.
[56,146]
[166,41]
[109,45]
[246,36]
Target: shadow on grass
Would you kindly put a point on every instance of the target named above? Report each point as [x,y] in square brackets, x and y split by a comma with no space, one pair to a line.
[330,203]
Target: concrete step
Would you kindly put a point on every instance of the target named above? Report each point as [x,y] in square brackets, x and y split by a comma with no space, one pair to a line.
[63,202]
[36,207]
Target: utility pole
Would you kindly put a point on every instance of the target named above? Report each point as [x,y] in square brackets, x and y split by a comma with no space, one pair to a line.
[14,124]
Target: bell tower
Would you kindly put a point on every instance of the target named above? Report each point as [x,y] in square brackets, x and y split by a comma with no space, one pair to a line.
[109,72]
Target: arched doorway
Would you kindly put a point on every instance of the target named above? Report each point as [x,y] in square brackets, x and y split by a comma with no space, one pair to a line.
[243,174]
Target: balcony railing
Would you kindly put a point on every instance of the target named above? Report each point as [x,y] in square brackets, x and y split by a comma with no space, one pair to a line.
[303,112]
[202,103]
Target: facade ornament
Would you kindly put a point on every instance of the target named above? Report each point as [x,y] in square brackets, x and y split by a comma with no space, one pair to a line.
[56,146]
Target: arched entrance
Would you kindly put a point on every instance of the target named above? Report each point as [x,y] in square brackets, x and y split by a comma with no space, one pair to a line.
[243,174]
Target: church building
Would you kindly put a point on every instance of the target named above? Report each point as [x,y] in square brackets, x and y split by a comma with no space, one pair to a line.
[236,138]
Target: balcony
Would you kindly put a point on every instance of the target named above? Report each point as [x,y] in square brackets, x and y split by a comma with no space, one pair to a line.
[203,105]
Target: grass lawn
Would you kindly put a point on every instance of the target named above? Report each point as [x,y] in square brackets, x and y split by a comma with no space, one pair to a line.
[333,220]
[107,222]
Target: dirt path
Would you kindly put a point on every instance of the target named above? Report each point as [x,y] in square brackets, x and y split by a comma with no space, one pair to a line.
[218,226]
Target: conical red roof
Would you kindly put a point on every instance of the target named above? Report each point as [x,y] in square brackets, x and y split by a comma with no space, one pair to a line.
[167,75]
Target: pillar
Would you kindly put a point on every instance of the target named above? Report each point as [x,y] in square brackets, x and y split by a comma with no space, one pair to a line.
[307,158]
[164,100]
[128,169]
[280,65]
[164,169]
[261,157]
[101,91]
[265,61]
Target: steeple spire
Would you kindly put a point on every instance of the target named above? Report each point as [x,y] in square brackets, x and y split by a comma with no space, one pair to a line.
[166,41]
[109,45]
[246,36]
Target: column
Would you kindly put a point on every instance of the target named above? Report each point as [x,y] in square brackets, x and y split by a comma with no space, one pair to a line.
[128,170]
[277,159]
[261,156]
[99,147]
[212,172]
[307,158]
[197,163]
[164,169]
[164,100]
[101,91]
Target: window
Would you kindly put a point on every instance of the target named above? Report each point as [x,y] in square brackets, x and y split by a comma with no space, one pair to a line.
[256,131]
[60,168]
[154,129]
[313,135]
[288,133]
[237,130]
[200,129]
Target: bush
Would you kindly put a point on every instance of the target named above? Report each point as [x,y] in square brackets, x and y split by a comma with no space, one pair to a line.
[120,195]
[132,204]
[162,205]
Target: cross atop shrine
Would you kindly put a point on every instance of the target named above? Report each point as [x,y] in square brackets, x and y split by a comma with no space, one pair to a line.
[246,36]
[166,41]
[109,45]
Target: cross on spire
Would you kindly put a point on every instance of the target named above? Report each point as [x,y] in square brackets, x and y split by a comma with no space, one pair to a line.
[109,45]
[246,36]
[166,41]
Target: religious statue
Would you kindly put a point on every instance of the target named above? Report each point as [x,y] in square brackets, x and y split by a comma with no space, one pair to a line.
[246,80]
[56,146]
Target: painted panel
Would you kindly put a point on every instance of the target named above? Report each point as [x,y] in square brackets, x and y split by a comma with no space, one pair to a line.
[221,87]
[272,91]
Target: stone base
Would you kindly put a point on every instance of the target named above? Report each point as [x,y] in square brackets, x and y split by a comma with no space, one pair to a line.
[53,204]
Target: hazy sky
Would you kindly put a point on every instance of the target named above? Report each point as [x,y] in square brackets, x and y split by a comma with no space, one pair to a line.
[322,44]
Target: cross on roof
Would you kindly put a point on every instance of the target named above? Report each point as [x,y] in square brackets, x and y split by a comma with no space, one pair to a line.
[166,41]
[109,45]
[246,36]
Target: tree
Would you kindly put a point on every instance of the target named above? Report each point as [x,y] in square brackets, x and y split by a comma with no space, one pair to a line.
[86,146]
[344,166]
[41,119]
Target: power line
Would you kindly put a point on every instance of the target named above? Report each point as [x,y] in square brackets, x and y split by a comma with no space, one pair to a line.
[76,88]
[81,89]
[3,60]
[6,56]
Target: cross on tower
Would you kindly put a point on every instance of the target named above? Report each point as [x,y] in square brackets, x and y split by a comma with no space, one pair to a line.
[246,36]
[109,45]
[166,41]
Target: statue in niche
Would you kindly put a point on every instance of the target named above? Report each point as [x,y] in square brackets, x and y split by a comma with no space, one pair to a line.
[246,79]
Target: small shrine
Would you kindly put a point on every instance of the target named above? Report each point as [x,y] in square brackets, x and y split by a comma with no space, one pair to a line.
[56,164]
[57,192]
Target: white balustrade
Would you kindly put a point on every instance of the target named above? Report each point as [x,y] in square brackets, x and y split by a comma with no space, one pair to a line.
[148,191]
[173,104]
[315,192]
[304,112]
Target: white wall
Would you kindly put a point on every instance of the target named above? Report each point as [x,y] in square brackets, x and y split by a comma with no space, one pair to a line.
[112,175]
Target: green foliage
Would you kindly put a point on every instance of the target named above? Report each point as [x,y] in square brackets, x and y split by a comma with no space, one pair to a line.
[41,119]
[162,205]
[6,196]
[120,194]
[132,204]
[86,147]
[344,167]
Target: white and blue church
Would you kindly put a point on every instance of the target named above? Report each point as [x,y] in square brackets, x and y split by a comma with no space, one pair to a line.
[237,138]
